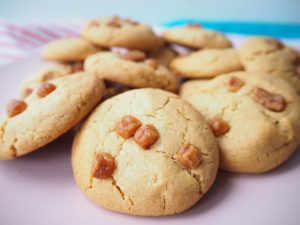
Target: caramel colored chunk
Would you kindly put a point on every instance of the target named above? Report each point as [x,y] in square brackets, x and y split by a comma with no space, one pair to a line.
[189,156]
[45,89]
[272,101]
[146,136]
[15,107]
[153,63]
[135,55]
[127,126]
[104,167]
[219,127]
[235,84]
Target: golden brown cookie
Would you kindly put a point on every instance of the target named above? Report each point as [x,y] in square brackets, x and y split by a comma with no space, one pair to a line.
[207,63]
[117,32]
[196,37]
[145,152]
[132,69]
[265,55]
[255,119]
[47,113]
[68,49]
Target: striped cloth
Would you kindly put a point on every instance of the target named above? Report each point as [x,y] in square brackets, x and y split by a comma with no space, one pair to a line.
[18,41]
[21,40]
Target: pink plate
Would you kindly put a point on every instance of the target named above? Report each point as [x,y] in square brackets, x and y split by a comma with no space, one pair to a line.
[38,189]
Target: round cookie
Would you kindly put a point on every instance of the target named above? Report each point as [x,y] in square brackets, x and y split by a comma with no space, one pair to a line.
[117,32]
[68,49]
[255,119]
[145,152]
[196,37]
[48,74]
[132,69]
[265,55]
[207,63]
[48,112]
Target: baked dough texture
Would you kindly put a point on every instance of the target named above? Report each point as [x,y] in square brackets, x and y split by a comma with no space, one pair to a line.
[125,34]
[265,55]
[146,182]
[68,49]
[109,66]
[49,117]
[259,139]
[197,38]
[207,63]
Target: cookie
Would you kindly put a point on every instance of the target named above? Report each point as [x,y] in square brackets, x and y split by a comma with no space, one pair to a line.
[132,69]
[265,55]
[68,49]
[48,74]
[117,32]
[164,56]
[47,113]
[196,37]
[207,63]
[255,119]
[145,152]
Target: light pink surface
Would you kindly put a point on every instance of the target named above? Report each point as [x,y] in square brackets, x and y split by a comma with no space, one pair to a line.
[38,189]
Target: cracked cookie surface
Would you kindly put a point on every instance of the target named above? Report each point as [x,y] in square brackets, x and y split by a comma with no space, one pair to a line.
[263,130]
[149,182]
[48,116]
[109,66]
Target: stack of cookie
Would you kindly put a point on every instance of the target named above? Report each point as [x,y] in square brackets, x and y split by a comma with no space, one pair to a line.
[144,150]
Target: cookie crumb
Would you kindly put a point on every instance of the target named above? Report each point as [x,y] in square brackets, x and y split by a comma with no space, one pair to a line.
[45,89]
[15,107]
[146,136]
[272,101]
[104,167]
[189,156]
[219,127]
[127,126]
[235,84]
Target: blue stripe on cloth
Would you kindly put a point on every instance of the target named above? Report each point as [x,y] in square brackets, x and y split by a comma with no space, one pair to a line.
[278,30]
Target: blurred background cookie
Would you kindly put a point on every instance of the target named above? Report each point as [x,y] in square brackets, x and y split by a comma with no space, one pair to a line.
[68,49]
[118,32]
[131,68]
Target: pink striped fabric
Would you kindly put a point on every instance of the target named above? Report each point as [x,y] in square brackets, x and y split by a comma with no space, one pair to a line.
[18,41]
